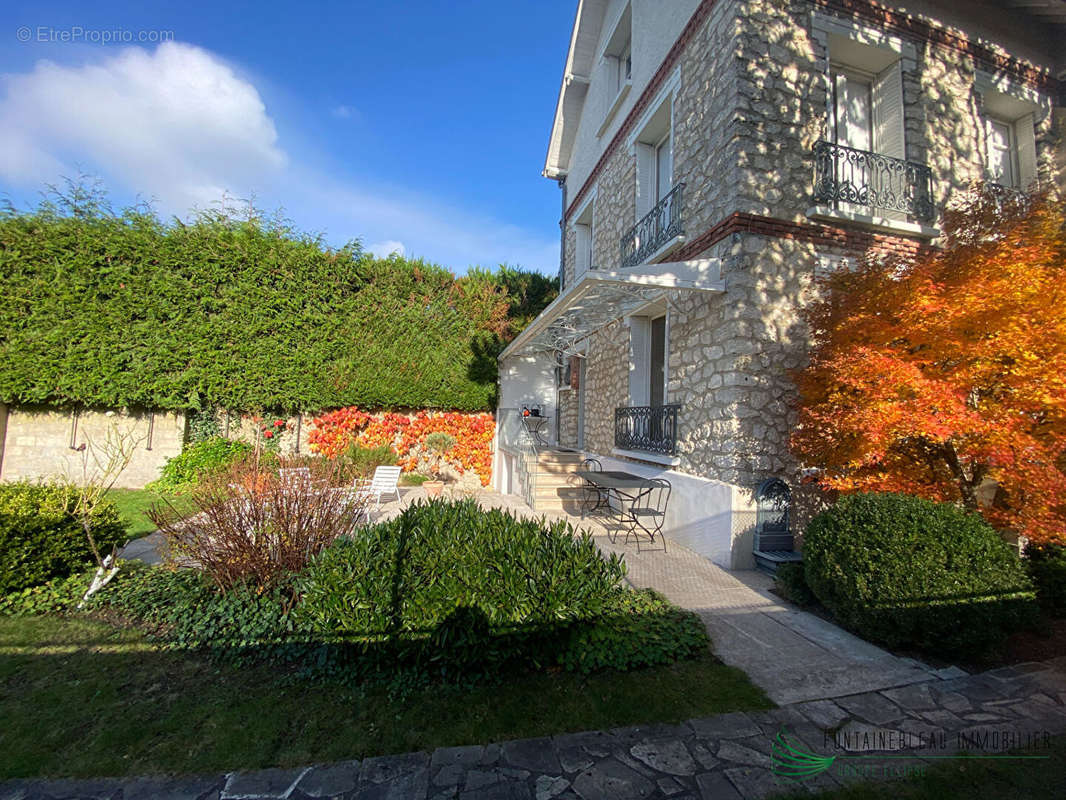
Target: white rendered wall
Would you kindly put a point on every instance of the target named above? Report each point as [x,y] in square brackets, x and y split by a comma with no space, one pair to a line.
[656,26]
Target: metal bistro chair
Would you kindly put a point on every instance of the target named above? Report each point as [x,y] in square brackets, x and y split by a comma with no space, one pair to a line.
[594,497]
[646,513]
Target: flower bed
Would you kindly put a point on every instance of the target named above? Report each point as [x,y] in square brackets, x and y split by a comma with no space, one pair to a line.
[332,433]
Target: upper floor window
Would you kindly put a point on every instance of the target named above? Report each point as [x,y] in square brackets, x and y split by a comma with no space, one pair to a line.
[867,109]
[1008,114]
[617,67]
[584,239]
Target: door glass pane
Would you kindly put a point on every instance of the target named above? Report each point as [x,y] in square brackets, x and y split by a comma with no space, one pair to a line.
[857,123]
[658,361]
[1000,157]
[663,169]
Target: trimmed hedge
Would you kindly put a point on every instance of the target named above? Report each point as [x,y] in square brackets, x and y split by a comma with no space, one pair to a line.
[126,311]
[1046,564]
[41,539]
[912,573]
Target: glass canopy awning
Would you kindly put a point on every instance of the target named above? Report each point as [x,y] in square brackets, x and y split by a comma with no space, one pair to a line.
[599,297]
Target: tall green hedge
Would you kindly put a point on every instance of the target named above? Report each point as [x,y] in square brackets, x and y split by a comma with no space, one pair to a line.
[246,313]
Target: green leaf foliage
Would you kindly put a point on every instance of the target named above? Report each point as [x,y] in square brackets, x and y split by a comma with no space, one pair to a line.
[197,461]
[1046,564]
[239,312]
[41,538]
[913,573]
[445,590]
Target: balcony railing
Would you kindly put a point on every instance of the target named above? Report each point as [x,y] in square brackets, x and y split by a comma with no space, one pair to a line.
[652,429]
[657,227]
[846,175]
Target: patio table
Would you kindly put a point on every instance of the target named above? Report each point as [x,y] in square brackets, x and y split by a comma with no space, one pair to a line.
[624,485]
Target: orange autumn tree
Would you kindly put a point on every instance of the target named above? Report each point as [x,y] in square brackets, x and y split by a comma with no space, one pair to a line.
[946,373]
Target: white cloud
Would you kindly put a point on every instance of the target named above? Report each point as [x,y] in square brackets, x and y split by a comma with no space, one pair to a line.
[344,112]
[180,125]
[385,249]
[176,123]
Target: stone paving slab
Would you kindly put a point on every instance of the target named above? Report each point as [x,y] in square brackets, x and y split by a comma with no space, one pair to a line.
[725,756]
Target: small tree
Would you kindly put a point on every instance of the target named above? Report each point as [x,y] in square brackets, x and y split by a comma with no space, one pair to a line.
[439,444]
[109,459]
[944,375]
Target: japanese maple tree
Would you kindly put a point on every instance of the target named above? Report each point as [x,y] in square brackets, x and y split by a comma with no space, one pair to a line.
[944,375]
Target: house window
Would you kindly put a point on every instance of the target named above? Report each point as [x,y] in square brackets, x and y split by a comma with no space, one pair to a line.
[1002,153]
[664,168]
[584,239]
[618,53]
[647,365]
[867,109]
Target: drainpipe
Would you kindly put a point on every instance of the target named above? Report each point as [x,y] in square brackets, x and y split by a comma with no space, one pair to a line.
[562,276]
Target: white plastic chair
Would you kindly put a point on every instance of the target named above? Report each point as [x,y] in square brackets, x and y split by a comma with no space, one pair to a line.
[386,481]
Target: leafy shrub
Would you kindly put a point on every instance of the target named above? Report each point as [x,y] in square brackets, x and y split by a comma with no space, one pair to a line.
[449,584]
[252,526]
[635,629]
[199,461]
[362,461]
[909,572]
[41,538]
[182,609]
[55,596]
[414,479]
[791,583]
[1046,564]
[440,442]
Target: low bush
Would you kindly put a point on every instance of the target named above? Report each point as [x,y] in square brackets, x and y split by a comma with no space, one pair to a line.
[634,629]
[362,461]
[446,590]
[251,526]
[199,461]
[56,596]
[912,573]
[791,583]
[1046,564]
[182,609]
[41,537]
[449,584]
[414,479]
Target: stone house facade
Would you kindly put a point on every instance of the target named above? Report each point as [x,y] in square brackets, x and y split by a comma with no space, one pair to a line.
[715,156]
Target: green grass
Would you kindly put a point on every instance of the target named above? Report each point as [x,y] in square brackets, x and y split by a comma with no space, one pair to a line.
[967,780]
[133,504]
[81,698]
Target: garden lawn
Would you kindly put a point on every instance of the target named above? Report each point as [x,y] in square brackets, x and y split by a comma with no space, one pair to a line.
[81,698]
[133,505]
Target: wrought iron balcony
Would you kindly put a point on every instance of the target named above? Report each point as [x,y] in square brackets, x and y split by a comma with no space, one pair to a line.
[655,229]
[652,429]
[846,175]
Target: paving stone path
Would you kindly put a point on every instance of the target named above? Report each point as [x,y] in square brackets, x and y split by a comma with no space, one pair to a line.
[725,757]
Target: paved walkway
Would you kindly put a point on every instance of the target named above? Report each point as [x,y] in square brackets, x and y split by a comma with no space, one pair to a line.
[726,757]
[791,654]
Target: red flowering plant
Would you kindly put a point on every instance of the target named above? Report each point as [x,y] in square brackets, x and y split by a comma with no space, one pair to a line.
[271,432]
[333,433]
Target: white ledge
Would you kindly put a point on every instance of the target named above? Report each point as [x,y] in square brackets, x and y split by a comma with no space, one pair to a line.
[873,222]
[652,458]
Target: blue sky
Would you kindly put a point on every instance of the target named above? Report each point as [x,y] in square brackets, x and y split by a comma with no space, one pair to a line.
[412,123]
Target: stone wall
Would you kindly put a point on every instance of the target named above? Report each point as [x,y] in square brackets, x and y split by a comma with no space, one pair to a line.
[41,444]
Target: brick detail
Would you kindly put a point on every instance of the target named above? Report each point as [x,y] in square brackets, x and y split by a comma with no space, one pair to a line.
[911,27]
[857,240]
